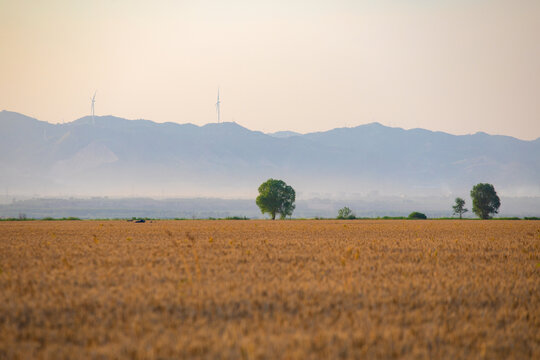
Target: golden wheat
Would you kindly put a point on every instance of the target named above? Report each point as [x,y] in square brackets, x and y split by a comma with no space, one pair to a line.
[263,289]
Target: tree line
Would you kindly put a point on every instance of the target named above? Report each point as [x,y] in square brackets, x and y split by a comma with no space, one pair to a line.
[277,198]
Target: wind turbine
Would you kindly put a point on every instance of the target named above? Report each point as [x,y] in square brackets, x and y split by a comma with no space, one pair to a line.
[218,107]
[93,102]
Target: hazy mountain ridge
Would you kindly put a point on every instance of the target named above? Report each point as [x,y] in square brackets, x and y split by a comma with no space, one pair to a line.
[116,156]
[284,134]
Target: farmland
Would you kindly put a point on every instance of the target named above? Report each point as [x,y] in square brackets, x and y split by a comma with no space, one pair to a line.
[262,289]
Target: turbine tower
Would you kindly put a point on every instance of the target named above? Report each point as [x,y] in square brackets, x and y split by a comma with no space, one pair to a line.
[93,102]
[218,107]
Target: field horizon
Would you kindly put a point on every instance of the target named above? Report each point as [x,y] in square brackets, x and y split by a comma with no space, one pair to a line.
[201,208]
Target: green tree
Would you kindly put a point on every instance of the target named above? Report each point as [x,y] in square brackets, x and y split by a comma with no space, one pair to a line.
[459,208]
[485,200]
[415,215]
[345,213]
[276,197]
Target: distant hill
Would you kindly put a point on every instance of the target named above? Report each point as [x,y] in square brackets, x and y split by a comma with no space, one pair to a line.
[123,157]
[284,134]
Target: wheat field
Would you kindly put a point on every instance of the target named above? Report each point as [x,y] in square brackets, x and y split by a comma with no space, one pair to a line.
[270,289]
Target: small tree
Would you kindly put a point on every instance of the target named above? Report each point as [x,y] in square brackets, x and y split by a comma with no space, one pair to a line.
[459,208]
[485,200]
[276,197]
[345,213]
[415,215]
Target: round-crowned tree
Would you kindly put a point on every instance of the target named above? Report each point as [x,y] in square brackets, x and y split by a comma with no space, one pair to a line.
[276,197]
[485,200]
[415,215]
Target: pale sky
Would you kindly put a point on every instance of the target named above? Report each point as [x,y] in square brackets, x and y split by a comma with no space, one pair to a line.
[306,65]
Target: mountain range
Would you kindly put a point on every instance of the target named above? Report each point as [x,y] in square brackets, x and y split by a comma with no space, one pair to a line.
[112,156]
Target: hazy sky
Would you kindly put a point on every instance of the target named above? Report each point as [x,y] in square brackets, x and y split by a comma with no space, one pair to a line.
[456,66]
